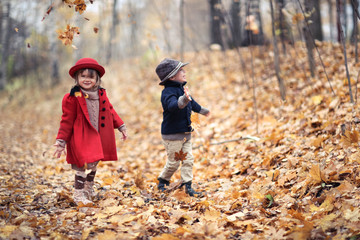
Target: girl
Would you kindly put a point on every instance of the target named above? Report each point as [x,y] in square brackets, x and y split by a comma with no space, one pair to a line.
[87,127]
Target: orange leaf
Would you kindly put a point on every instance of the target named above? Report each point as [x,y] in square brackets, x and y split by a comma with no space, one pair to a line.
[180,156]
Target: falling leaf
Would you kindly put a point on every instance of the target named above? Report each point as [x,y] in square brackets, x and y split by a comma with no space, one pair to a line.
[67,35]
[28,45]
[180,156]
[16,30]
[96,30]
[48,12]
[80,6]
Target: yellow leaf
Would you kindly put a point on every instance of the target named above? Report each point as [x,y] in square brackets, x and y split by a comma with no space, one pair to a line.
[326,206]
[315,174]
[165,236]
[106,235]
[352,215]
[212,215]
[6,230]
[317,99]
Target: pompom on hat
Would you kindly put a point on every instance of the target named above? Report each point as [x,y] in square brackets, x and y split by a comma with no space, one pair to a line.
[168,68]
[84,63]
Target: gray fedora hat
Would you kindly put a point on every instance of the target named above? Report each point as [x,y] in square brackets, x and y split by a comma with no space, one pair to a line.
[168,68]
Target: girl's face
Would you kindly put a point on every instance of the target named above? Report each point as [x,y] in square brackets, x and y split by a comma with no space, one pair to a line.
[180,76]
[87,79]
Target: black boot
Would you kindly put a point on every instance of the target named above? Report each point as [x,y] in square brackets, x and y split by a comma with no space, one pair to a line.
[189,190]
[162,184]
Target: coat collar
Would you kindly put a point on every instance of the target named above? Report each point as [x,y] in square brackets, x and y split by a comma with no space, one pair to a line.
[76,91]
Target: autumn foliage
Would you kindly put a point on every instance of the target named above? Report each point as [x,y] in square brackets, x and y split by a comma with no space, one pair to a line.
[293,174]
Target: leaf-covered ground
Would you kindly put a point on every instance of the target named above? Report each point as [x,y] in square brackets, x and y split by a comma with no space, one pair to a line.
[274,170]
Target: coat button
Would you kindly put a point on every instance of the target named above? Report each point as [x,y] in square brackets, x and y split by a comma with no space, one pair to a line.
[102,125]
[104,101]
[103,117]
[103,109]
[101,93]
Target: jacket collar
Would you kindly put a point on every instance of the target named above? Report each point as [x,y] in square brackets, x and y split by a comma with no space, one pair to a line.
[174,84]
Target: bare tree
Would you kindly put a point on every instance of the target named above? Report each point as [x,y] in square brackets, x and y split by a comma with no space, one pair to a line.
[331,19]
[215,22]
[276,55]
[5,41]
[182,30]
[113,32]
[235,10]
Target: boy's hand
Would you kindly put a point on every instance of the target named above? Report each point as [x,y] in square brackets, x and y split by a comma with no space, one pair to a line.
[187,93]
[208,114]
[59,150]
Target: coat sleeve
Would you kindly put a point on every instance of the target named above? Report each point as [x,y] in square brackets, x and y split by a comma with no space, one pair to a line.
[117,121]
[69,109]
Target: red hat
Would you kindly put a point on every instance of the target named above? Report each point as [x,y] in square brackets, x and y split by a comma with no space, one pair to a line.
[86,63]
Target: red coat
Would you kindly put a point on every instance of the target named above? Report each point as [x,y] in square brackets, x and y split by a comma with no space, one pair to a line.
[84,143]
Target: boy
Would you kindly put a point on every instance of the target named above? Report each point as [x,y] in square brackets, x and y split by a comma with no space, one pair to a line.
[176,126]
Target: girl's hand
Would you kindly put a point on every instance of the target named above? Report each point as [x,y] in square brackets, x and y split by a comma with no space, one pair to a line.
[59,150]
[124,135]
[208,114]
[187,93]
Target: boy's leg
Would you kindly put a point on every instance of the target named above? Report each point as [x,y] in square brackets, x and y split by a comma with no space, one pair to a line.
[171,165]
[187,171]
[187,164]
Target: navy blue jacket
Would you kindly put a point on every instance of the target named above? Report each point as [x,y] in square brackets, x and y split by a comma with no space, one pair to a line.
[176,120]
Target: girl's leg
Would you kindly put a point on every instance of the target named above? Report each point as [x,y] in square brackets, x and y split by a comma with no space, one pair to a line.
[89,183]
[79,194]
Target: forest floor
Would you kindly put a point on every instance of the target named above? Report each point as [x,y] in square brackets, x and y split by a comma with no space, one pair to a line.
[271,169]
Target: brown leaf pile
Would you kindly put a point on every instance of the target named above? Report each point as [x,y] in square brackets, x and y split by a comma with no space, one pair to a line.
[294,174]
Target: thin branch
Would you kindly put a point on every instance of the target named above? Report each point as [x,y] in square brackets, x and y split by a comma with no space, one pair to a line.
[342,39]
[317,50]
[230,140]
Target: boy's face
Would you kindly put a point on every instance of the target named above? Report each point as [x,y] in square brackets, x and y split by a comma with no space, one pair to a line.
[180,76]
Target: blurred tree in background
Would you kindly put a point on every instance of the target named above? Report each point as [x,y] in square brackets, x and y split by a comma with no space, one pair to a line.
[114,30]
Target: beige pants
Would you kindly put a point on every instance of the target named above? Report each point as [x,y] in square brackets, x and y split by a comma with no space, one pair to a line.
[172,164]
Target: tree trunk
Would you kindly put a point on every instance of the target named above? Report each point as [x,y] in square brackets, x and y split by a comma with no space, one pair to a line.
[113,33]
[5,43]
[314,20]
[182,30]
[354,32]
[134,28]
[283,25]
[215,22]
[308,38]
[236,22]
[331,19]
[276,55]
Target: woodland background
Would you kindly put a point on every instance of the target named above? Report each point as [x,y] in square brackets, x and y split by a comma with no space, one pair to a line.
[278,157]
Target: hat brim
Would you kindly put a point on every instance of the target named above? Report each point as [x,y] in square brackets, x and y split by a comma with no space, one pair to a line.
[173,73]
[96,67]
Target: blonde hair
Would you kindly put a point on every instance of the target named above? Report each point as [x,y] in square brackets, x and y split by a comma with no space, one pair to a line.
[91,72]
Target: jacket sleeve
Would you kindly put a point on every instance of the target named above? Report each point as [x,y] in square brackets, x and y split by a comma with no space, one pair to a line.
[69,109]
[195,106]
[169,102]
[116,119]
